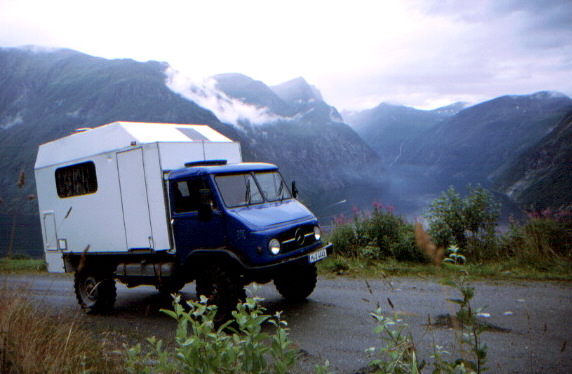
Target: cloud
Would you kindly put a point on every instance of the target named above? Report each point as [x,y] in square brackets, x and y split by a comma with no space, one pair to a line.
[204,92]
[359,53]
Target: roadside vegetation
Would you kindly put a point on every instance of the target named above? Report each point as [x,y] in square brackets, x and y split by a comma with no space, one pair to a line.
[33,341]
[381,242]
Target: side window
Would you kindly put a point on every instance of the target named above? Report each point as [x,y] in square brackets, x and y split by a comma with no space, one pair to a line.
[187,195]
[76,180]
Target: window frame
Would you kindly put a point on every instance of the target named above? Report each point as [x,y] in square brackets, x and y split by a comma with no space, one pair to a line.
[76,180]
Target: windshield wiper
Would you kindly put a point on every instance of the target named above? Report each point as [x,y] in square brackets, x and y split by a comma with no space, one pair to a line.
[281,190]
[247,197]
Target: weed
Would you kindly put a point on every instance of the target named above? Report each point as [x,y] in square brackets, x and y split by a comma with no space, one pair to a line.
[238,346]
[375,235]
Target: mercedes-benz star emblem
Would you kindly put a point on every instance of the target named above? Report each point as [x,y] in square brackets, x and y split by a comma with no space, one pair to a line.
[299,237]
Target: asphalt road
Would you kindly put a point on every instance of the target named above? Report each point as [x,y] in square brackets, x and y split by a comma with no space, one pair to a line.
[531,321]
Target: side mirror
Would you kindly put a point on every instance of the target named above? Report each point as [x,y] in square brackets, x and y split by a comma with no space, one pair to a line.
[294,190]
[205,207]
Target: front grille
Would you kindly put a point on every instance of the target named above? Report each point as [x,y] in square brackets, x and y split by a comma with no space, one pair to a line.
[297,238]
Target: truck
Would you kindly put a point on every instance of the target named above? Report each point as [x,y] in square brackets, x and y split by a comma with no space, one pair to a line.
[168,204]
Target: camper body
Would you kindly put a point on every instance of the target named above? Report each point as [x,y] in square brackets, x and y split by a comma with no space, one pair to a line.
[166,204]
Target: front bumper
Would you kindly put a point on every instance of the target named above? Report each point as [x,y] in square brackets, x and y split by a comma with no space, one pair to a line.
[302,257]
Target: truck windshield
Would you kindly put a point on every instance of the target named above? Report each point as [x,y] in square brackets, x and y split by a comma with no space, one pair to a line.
[245,189]
[272,185]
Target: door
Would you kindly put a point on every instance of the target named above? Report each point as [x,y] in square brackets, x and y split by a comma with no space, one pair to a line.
[49,221]
[189,230]
[134,199]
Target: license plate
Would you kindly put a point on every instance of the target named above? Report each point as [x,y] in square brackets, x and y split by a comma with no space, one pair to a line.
[317,256]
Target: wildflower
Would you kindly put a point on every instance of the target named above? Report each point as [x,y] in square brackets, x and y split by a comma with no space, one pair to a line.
[377,205]
[355,211]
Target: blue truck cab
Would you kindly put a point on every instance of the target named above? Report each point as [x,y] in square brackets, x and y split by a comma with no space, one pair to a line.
[245,211]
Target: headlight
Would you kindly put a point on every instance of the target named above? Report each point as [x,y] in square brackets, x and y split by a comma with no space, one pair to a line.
[317,233]
[274,246]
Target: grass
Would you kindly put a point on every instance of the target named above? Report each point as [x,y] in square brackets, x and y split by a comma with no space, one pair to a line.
[22,265]
[32,341]
[509,269]
[362,268]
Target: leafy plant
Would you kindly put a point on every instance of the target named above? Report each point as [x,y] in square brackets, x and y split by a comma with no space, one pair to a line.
[375,235]
[454,256]
[398,355]
[470,329]
[238,346]
[468,222]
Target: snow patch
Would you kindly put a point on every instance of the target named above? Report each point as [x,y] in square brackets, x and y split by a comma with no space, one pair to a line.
[11,122]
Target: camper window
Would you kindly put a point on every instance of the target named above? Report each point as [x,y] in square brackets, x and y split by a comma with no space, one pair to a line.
[76,180]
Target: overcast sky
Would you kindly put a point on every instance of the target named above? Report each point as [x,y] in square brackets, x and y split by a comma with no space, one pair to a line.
[358,53]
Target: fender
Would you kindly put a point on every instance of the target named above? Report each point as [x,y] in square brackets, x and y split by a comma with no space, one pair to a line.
[199,256]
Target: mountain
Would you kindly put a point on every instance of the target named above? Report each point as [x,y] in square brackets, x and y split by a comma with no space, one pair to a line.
[48,94]
[477,144]
[308,138]
[386,128]
[251,92]
[541,177]
[307,101]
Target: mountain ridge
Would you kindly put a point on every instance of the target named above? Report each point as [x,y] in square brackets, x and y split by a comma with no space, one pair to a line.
[406,157]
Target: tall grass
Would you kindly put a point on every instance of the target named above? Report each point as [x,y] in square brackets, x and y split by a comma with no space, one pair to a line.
[32,341]
[542,242]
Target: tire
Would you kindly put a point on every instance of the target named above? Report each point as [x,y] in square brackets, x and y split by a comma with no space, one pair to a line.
[95,292]
[296,282]
[223,287]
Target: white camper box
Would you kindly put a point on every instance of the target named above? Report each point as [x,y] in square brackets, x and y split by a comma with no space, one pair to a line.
[110,179]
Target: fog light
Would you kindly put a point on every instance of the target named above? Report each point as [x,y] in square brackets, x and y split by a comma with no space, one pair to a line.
[274,246]
[317,233]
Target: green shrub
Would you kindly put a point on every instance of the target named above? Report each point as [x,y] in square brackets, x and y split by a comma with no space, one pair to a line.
[468,222]
[239,346]
[343,239]
[375,236]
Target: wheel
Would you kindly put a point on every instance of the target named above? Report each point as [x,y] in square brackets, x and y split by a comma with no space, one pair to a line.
[95,293]
[223,287]
[296,282]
